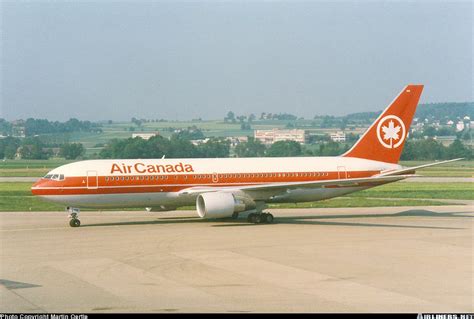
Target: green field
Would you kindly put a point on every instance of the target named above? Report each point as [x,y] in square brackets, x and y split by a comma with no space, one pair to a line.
[420,190]
[454,169]
[29,168]
[17,197]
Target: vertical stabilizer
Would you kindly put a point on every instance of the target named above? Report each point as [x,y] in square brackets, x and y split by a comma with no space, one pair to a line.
[385,138]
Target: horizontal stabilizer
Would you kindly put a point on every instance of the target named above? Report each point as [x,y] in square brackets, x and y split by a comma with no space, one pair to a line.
[411,170]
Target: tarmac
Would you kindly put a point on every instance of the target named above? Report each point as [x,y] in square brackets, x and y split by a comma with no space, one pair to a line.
[388,259]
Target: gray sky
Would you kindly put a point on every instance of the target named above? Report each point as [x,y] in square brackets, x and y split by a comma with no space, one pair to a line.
[100,60]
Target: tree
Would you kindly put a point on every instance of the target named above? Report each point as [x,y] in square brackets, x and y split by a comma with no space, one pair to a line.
[8,147]
[330,149]
[284,148]
[429,131]
[245,126]
[33,148]
[458,150]
[215,147]
[251,148]
[71,151]
[230,117]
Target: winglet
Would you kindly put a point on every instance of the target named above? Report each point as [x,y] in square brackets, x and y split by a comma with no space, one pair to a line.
[384,140]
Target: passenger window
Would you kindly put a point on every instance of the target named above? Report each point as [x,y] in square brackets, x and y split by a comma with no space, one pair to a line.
[61,177]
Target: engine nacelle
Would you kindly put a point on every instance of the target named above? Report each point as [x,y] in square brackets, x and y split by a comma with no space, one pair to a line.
[222,204]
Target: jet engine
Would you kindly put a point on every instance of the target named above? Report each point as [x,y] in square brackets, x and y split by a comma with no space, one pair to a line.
[222,204]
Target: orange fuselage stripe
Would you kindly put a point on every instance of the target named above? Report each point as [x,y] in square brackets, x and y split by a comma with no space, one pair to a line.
[82,185]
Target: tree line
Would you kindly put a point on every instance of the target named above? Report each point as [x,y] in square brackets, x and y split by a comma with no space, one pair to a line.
[179,147]
[34,148]
[34,127]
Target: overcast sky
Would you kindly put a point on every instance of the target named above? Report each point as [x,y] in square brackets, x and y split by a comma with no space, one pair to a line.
[101,60]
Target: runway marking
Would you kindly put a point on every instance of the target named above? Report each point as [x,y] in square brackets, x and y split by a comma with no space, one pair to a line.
[132,283]
[321,285]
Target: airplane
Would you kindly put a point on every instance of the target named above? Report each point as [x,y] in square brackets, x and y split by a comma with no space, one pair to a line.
[227,187]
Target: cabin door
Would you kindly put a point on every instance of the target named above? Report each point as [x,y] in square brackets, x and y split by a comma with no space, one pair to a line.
[215,177]
[92,180]
[341,172]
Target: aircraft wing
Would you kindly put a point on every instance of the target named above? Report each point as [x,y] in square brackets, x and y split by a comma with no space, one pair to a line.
[411,170]
[279,187]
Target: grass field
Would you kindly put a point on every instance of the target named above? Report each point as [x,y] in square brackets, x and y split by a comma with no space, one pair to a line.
[29,168]
[454,169]
[17,197]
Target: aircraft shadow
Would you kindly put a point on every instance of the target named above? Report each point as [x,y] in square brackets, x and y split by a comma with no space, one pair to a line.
[318,219]
[321,220]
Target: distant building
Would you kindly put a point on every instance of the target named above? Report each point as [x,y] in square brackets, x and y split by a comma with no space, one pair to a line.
[145,136]
[236,140]
[18,128]
[269,137]
[459,126]
[199,142]
[338,137]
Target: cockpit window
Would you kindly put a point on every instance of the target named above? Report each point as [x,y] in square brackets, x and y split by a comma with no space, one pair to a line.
[55,177]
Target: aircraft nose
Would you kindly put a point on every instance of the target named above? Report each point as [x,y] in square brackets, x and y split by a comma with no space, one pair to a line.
[36,186]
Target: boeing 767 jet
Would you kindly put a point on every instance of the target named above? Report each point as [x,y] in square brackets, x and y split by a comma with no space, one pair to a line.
[225,187]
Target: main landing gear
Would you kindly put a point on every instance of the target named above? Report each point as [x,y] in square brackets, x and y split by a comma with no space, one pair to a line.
[260,218]
[74,216]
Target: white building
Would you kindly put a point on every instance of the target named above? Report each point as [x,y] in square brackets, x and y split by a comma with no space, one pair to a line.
[236,140]
[459,126]
[338,137]
[199,142]
[145,136]
[269,137]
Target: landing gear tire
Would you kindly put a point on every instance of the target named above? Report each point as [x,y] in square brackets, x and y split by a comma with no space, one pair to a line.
[268,218]
[73,215]
[258,219]
[251,218]
[74,222]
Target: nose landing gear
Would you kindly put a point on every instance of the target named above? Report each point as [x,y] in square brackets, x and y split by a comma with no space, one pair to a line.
[74,216]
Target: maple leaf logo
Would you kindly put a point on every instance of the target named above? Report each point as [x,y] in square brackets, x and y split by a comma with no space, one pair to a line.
[391,132]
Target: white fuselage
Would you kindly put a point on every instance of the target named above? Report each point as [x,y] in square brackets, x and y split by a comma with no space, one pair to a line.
[161,182]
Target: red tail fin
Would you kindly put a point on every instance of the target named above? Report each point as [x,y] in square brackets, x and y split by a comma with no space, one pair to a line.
[384,140]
